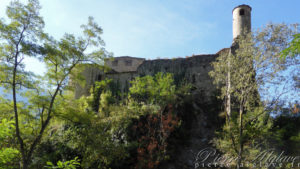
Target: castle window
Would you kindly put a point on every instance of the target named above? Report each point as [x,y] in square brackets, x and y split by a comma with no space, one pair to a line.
[128,62]
[242,12]
[115,63]
[194,78]
[99,77]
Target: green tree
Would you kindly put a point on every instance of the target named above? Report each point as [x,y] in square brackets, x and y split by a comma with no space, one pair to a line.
[71,164]
[293,48]
[23,37]
[235,75]
[274,74]
[8,154]
[153,89]
[252,62]
[100,137]
[293,51]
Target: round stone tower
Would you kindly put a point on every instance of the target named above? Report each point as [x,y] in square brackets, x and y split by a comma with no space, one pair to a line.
[241,20]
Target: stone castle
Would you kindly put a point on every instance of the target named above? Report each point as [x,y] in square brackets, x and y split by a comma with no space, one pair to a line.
[193,69]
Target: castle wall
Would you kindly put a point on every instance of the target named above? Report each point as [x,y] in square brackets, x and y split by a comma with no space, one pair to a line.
[122,80]
[193,70]
[124,64]
[90,75]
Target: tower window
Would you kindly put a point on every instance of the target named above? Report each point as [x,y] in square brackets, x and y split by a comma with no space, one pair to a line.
[242,12]
[194,78]
[99,77]
[115,63]
[128,62]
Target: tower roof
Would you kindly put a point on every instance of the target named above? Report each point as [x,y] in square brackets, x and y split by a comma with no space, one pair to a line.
[243,5]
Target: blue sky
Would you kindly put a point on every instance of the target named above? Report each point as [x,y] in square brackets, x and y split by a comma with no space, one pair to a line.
[159,28]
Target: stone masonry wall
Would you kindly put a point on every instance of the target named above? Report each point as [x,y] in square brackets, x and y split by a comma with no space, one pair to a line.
[193,70]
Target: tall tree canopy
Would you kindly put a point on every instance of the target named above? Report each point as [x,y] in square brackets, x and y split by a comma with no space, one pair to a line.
[243,75]
[23,36]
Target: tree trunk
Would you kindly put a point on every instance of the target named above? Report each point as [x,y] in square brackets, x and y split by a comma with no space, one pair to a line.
[228,104]
[25,163]
[240,135]
[228,92]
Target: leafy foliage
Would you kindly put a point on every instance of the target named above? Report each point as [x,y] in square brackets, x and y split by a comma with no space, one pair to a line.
[152,132]
[294,47]
[50,127]
[23,37]
[256,132]
[103,137]
[286,132]
[8,155]
[158,89]
[71,164]
[239,74]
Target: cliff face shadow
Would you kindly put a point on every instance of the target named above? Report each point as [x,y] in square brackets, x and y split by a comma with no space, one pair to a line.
[200,120]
